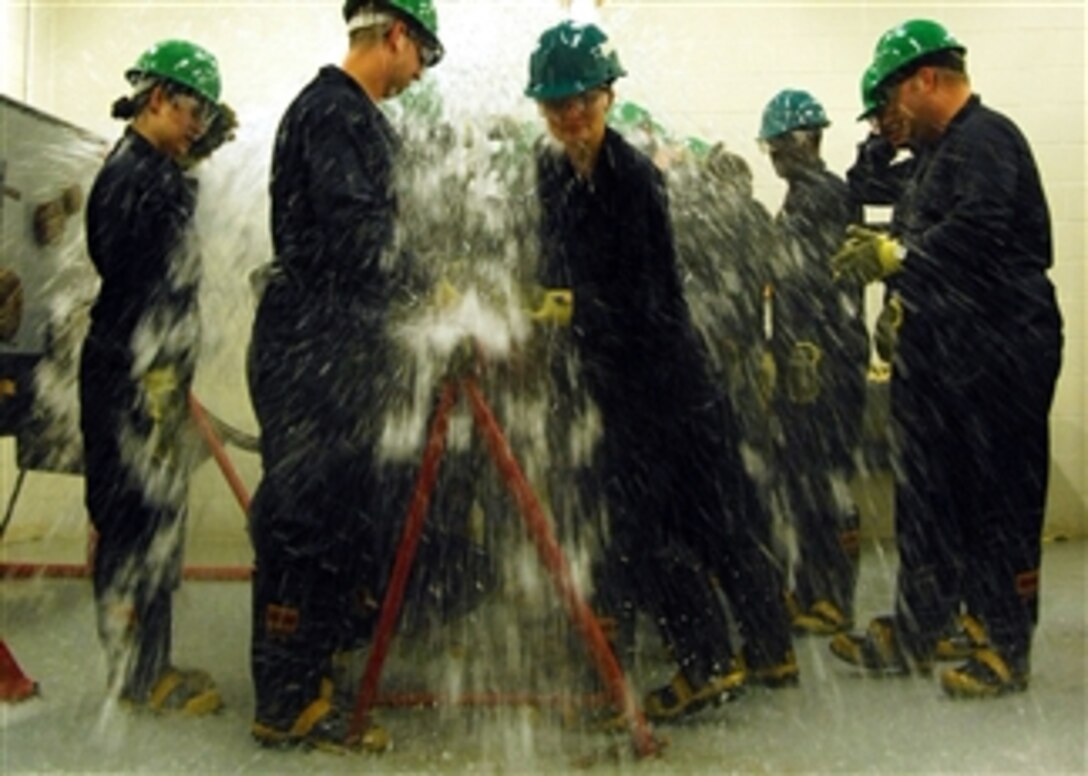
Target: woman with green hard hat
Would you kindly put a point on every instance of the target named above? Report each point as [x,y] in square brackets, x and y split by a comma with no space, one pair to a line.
[679,502]
[978,351]
[136,368]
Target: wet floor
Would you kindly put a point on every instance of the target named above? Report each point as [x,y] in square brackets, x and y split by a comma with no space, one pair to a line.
[833,722]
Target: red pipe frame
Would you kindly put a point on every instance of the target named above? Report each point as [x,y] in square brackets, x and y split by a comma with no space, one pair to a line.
[551,555]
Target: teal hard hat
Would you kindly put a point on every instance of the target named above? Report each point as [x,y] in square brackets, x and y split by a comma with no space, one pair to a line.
[182,62]
[908,42]
[569,59]
[791,109]
[421,14]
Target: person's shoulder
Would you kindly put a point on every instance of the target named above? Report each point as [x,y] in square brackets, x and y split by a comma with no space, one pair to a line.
[328,92]
[629,162]
[983,118]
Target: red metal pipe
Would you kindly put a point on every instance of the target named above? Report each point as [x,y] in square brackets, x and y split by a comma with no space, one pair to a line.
[551,555]
[204,426]
[26,570]
[398,580]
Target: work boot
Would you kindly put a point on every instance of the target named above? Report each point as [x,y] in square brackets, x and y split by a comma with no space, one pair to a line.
[189,692]
[878,650]
[823,618]
[966,637]
[322,725]
[682,696]
[785,673]
[986,674]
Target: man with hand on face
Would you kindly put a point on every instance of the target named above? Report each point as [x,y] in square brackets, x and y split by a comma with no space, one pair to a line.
[978,355]
[319,363]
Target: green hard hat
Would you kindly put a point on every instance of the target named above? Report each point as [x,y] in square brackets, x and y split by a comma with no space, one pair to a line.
[871,100]
[907,43]
[421,13]
[791,109]
[626,115]
[182,62]
[569,59]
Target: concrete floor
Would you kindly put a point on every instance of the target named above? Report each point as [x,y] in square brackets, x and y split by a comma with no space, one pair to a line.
[834,722]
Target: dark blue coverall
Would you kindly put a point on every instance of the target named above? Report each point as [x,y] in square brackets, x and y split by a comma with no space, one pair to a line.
[977,361]
[676,491]
[820,424]
[319,367]
[138,212]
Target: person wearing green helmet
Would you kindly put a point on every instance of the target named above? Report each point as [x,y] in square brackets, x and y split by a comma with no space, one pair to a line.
[821,348]
[669,452]
[136,366]
[323,515]
[967,253]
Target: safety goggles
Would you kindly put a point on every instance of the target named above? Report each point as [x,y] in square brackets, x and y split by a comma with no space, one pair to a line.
[429,52]
[582,101]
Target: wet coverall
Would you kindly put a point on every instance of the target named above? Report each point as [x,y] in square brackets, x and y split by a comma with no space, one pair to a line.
[978,357]
[674,486]
[318,366]
[145,318]
[819,412]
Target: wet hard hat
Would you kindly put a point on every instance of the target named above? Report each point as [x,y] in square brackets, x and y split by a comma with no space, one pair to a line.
[626,115]
[791,109]
[871,100]
[420,15]
[183,63]
[569,59]
[906,43]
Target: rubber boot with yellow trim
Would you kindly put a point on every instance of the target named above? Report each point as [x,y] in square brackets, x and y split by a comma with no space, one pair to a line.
[180,691]
[878,650]
[967,636]
[785,673]
[682,696]
[986,674]
[823,618]
[322,725]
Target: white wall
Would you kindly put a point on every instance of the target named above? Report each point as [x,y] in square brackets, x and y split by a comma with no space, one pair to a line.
[704,68]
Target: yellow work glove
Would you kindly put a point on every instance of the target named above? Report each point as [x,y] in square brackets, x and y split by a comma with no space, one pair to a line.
[220,130]
[886,331]
[555,307]
[867,255]
[803,376]
[445,295]
[165,407]
[766,376]
[160,392]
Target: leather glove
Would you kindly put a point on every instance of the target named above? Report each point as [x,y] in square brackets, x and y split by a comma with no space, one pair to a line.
[767,376]
[803,375]
[160,391]
[445,295]
[554,307]
[220,130]
[867,255]
[886,331]
[164,406]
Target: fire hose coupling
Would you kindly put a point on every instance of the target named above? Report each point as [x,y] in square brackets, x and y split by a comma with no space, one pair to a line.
[551,306]
[50,217]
